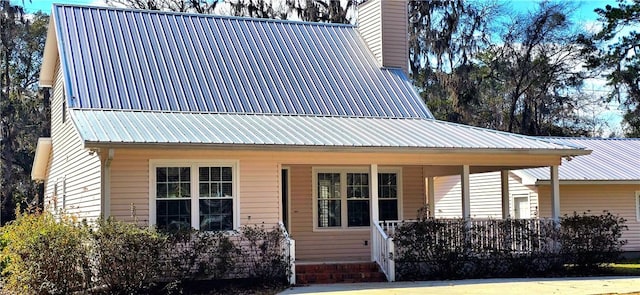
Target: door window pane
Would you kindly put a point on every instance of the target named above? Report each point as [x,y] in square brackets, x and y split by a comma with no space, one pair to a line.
[388,196]
[358,213]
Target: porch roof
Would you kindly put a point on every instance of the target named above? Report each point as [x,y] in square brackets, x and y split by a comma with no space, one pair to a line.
[109,127]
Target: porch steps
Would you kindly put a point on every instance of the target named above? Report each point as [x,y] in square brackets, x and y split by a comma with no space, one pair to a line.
[329,273]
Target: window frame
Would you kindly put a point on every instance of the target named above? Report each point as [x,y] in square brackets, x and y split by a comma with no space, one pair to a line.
[194,166]
[512,204]
[344,218]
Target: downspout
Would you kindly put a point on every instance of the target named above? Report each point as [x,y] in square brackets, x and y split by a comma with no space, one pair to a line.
[106,184]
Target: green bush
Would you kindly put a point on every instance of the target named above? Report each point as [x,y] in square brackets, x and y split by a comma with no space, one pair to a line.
[591,240]
[263,255]
[450,249]
[126,256]
[44,255]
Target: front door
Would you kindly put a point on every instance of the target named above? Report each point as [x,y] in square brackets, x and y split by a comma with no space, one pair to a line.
[284,175]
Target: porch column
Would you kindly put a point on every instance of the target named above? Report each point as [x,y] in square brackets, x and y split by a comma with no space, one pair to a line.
[431,197]
[373,214]
[555,194]
[466,193]
[504,181]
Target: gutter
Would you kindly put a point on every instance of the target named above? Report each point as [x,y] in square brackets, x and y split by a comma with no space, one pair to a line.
[325,148]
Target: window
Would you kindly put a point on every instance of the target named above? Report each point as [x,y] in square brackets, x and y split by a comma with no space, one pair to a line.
[388,196]
[343,195]
[200,196]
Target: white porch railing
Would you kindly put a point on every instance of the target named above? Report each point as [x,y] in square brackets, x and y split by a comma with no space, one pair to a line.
[289,248]
[383,252]
[390,226]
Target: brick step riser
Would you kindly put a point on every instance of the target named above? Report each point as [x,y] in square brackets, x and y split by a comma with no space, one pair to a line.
[338,273]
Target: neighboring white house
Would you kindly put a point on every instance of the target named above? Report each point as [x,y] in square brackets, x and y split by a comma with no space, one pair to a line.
[607,179]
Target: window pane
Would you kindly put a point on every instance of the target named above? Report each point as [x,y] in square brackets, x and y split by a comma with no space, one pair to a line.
[185,173]
[358,212]
[173,215]
[216,174]
[226,174]
[161,174]
[216,214]
[227,190]
[388,209]
[328,185]
[173,174]
[204,190]
[205,174]
[329,213]
[357,185]
[161,190]
[387,186]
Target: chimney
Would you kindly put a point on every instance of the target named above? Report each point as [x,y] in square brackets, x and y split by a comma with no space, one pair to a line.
[383,24]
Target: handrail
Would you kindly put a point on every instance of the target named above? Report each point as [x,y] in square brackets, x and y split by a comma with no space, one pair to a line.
[289,248]
[383,250]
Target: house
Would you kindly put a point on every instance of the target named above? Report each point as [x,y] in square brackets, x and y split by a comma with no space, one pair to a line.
[607,179]
[180,120]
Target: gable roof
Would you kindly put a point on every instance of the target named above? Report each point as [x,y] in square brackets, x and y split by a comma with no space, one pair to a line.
[162,61]
[611,159]
[150,77]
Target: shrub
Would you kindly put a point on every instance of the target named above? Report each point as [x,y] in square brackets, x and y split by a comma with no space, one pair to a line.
[591,240]
[449,248]
[196,255]
[263,255]
[45,255]
[126,256]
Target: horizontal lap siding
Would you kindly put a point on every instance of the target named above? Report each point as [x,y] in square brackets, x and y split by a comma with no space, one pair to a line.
[70,162]
[340,245]
[335,245]
[617,199]
[259,183]
[486,191]
[413,191]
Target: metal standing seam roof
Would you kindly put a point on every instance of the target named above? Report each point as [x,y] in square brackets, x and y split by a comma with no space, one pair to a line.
[163,61]
[108,127]
[610,159]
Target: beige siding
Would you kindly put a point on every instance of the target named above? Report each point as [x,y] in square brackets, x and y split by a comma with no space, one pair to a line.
[383,26]
[259,196]
[617,199]
[71,165]
[370,27]
[395,51]
[486,190]
[413,191]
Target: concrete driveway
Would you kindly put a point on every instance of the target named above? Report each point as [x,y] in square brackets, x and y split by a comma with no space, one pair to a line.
[591,285]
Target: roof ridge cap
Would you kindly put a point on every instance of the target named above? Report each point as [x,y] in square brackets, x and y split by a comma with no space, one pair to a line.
[202,15]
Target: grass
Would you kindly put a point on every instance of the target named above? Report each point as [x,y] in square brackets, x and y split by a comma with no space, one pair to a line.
[627,267]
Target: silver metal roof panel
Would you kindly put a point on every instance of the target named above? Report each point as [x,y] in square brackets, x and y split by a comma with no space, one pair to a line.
[610,159]
[163,61]
[146,127]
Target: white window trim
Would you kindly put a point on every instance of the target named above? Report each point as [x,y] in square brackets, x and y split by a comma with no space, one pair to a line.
[194,164]
[343,199]
[637,205]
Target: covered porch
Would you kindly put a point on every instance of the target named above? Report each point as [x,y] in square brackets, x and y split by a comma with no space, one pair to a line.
[324,204]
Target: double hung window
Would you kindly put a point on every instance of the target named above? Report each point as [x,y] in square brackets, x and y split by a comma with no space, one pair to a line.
[200,196]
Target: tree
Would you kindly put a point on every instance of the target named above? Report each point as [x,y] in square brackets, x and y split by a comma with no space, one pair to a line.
[24,115]
[330,11]
[195,6]
[615,51]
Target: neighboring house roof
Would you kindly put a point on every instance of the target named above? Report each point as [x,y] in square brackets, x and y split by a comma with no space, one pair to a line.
[149,77]
[615,159]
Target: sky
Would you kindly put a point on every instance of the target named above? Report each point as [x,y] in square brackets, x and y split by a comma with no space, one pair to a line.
[584,15]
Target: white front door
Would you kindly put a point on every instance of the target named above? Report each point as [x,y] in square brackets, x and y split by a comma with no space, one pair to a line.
[521,207]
